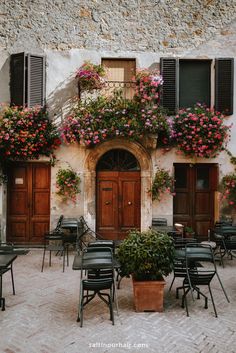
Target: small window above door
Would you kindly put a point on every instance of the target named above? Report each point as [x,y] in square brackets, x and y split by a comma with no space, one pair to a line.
[118,160]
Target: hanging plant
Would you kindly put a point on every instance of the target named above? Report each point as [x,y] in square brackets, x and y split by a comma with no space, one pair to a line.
[228,189]
[163,182]
[26,133]
[67,184]
[200,132]
[91,76]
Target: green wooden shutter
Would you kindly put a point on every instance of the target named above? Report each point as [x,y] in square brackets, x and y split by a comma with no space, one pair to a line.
[17,79]
[27,80]
[224,71]
[36,80]
[169,72]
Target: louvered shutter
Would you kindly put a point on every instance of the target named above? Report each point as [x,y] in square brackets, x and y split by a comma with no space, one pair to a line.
[17,79]
[169,72]
[224,71]
[36,80]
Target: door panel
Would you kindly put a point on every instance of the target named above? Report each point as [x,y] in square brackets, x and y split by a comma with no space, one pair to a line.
[194,201]
[107,204]
[28,202]
[118,203]
[130,201]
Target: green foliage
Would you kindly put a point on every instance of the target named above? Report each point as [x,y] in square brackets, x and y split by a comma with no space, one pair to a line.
[67,183]
[163,182]
[189,230]
[146,255]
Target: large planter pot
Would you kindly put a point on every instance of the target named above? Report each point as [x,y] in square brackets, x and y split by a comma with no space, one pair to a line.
[148,295]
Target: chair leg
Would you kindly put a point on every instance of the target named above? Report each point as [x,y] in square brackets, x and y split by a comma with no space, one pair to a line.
[50,258]
[43,260]
[226,296]
[2,303]
[172,283]
[213,303]
[12,280]
[63,260]
[184,300]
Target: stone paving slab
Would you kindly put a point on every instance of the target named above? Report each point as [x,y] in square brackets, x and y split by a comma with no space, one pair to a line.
[41,317]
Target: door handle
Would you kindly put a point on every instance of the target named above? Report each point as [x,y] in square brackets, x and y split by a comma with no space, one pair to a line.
[129,203]
[107,202]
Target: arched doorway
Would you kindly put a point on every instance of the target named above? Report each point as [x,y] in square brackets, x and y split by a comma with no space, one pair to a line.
[89,176]
[117,194]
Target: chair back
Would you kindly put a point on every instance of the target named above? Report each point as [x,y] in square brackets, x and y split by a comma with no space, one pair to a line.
[199,253]
[181,243]
[159,222]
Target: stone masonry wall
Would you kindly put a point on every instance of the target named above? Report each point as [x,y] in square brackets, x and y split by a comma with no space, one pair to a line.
[137,25]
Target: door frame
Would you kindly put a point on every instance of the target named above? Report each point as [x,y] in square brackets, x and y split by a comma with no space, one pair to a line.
[145,162]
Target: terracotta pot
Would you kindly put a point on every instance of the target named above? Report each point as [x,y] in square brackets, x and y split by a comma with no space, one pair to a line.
[148,295]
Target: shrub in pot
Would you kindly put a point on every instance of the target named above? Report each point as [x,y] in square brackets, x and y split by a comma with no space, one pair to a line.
[147,256]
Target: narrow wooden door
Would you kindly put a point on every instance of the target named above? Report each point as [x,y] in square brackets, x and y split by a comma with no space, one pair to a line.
[194,203]
[28,212]
[118,203]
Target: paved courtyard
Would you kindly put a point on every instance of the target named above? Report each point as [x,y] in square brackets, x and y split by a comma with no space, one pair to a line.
[41,317]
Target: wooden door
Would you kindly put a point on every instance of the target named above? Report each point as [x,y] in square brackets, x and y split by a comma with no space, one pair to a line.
[118,203]
[195,189]
[28,211]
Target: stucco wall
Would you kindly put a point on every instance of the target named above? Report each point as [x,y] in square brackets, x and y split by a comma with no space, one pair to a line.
[69,32]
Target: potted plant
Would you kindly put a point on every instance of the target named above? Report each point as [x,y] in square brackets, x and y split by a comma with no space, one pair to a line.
[189,232]
[147,256]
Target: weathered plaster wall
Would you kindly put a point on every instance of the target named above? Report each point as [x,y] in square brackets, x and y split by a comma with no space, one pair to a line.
[69,32]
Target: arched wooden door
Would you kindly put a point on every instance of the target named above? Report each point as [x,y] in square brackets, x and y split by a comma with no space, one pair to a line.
[118,194]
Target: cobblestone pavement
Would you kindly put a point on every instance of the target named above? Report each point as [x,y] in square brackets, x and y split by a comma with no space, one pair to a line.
[41,317]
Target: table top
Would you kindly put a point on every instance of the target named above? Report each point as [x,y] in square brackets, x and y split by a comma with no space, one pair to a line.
[6,260]
[94,263]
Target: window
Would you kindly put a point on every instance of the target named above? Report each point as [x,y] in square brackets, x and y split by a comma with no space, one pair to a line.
[194,82]
[27,80]
[188,81]
[120,73]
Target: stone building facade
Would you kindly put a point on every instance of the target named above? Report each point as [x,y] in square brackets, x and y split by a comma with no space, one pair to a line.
[69,32]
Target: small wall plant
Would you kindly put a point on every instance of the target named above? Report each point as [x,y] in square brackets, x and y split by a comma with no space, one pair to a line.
[67,184]
[163,182]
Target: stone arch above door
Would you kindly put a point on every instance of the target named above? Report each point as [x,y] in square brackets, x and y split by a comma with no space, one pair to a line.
[145,163]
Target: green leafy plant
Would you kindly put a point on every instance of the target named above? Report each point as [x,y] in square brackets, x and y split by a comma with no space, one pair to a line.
[189,230]
[67,183]
[147,255]
[163,182]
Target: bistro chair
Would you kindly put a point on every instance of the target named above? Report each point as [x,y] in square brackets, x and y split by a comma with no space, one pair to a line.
[99,281]
[225,238]
[54,242]
[2,272]
[179,270]
[196,276]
